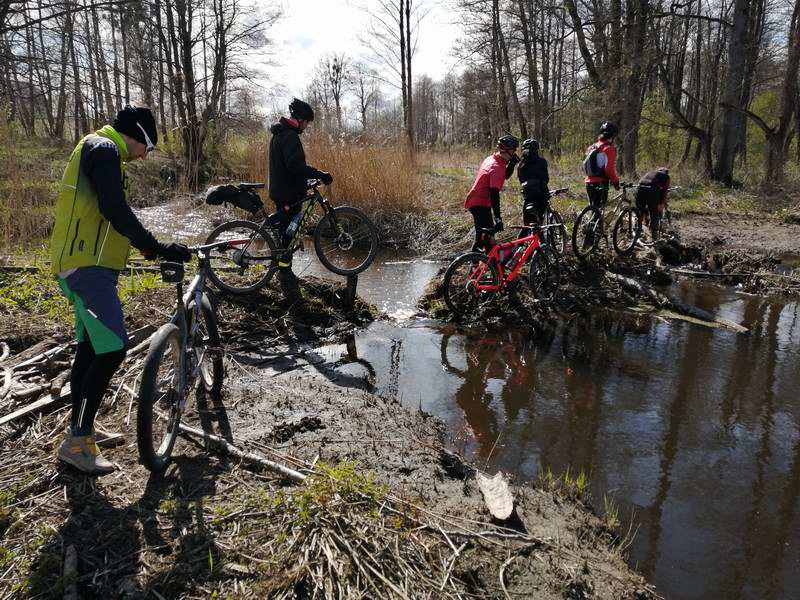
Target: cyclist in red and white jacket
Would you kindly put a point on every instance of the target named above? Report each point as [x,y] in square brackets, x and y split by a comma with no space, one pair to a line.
[600,165]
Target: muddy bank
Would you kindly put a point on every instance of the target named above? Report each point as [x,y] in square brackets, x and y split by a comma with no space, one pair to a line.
[387,511]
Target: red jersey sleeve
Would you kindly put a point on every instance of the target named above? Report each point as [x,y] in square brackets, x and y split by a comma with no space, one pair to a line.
[611,167]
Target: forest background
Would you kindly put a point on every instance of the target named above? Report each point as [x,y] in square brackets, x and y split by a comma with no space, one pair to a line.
[706,87]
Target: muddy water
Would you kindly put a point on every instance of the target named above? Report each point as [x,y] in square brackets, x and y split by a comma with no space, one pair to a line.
[693,432]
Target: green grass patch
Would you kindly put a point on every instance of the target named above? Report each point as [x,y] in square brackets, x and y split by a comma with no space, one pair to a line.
[340,483]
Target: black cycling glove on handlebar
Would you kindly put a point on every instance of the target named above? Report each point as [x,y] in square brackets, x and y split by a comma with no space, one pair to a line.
[326,178]
[174,252]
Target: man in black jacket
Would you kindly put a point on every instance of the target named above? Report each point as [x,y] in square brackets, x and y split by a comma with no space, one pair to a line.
[535,180]
[288,180]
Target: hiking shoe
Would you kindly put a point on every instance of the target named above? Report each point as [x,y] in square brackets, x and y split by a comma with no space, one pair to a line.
[81,452]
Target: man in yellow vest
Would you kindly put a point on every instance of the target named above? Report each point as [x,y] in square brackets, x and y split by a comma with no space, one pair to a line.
[94,229]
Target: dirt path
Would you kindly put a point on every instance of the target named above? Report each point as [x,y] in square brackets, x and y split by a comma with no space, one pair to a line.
[751,232]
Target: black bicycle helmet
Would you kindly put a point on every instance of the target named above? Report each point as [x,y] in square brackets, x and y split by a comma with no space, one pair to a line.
[137,122]
[608,130]
[531,145]
[663,170]
[301,110]
[509,141]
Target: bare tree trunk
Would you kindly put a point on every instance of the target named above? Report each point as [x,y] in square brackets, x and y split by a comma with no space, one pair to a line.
[409,78]
[729,131]
[512,86]
[102,65]
[117,84]
[533,75]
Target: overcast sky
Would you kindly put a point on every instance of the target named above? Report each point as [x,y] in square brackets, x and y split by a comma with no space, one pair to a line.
[310,29]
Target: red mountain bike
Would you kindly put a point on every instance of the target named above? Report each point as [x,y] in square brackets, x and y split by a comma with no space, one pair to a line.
[475,278]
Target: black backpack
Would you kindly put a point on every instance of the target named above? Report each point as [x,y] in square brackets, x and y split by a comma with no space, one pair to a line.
[247,200]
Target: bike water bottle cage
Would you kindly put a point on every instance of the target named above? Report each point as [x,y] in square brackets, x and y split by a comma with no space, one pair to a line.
[171,272]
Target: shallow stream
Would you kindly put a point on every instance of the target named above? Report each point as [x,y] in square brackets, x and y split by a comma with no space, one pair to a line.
[693,432]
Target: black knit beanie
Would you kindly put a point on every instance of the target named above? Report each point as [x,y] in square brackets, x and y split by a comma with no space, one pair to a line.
[135,122]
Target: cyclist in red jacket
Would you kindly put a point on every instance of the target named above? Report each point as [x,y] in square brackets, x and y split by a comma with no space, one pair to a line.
[600,165]
[484,197]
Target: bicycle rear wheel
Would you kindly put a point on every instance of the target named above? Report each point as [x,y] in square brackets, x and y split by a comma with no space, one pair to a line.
[207,346]
[587,231]
[556,236]
[159,402]
[461,280]
[627,230]
[544,273]
[346,241]
[246,268]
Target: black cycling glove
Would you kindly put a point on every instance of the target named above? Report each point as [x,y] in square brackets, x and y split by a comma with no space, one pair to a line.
[174,252]
[326,178]
[498,227]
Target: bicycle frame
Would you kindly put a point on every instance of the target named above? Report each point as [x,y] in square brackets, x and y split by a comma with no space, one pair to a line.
[622,201]
[531,241]
[307,208]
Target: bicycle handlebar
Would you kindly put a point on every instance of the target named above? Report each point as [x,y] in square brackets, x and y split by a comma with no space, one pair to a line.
[558,191]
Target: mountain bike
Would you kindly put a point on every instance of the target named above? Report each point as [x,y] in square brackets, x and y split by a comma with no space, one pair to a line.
[474,279]
[345,240]
[182,352]
[556,236]
[593,223]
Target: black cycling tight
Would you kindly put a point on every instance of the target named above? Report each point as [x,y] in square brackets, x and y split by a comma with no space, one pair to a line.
[483,220]
[91,374]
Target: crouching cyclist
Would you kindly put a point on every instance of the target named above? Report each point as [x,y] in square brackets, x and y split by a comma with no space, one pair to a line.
[483,198]
[94,229]
[535,180]
[651,198]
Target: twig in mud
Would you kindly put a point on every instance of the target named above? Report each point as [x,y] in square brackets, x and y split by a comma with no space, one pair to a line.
[502,571]
[246,456]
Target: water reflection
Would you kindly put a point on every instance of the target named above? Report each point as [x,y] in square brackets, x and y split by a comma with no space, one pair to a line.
[692,430]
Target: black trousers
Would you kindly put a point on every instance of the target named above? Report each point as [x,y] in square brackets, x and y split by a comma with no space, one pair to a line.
[597,193]
[482,215]
[285,217]
[533,208]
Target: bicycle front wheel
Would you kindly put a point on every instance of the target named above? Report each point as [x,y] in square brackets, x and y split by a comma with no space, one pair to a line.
[346,241]
[247,267]
[587,231]
[544,274]
[159,402]
[207,346]
[470,281]
[557,233]
[627,230]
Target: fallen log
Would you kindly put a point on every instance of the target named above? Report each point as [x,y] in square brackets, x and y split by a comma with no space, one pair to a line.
[41,404]
[674,304]
[6,382]
[229,448]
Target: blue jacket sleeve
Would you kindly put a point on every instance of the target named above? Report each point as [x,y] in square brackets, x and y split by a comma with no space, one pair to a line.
[100,163]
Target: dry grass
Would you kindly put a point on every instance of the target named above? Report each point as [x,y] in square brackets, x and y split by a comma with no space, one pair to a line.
[28,184]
